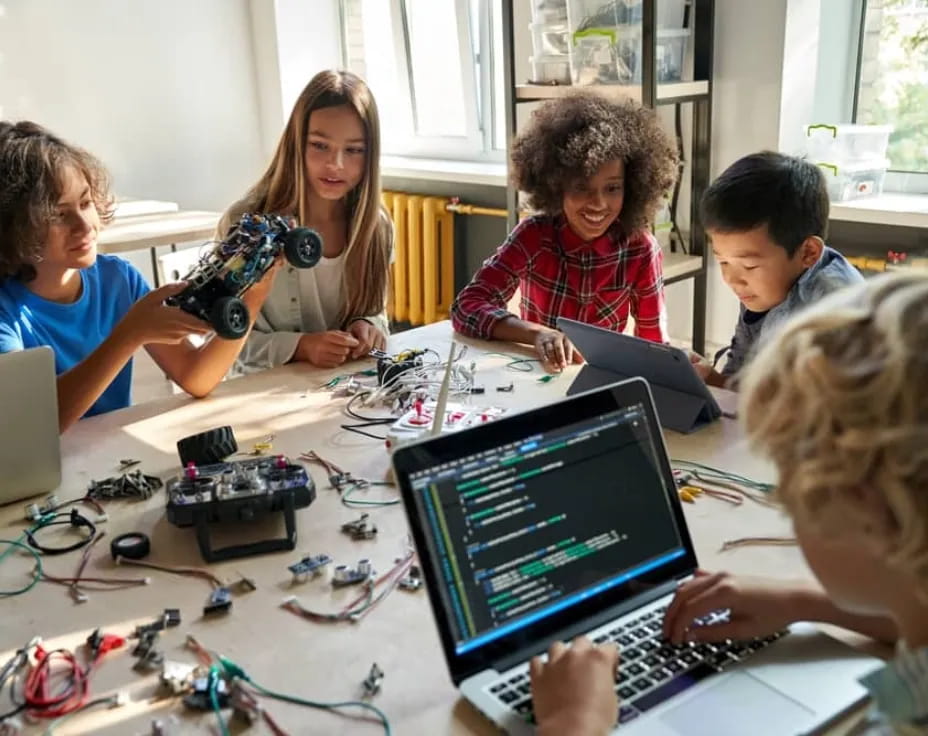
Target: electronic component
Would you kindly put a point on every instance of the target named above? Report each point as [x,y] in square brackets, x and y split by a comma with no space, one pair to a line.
[507,389]
[200,698]
[171,617]
[360,528]
[418,421]
[389,367]
[239,490]
[34,512]
[246,584]
[134,484]
[219,601]
[413,579]
[311,565]
[132,546]
[148,657]
[344,575]
[177,676]
[371,683]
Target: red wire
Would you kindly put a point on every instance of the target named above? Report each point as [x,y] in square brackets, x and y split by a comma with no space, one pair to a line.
[38,700]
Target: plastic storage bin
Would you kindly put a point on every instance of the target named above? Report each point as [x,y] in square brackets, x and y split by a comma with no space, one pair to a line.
[855,180]
[550,39]
[845,143]
[604,13]
[550,69]
[549,12]
[613,55]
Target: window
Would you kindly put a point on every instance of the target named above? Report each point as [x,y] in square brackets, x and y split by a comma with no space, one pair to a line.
[892,84]
[435,71]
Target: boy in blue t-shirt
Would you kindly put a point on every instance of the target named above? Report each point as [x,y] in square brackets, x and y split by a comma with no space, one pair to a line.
[767,217]
[93,310]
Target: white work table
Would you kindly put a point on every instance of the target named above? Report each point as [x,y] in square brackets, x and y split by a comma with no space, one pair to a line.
[323,662]
[159,228]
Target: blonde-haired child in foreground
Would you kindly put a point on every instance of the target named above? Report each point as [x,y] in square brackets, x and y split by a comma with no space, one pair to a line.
[838,402]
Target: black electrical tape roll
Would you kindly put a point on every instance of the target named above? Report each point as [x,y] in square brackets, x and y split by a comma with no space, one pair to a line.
[132,546]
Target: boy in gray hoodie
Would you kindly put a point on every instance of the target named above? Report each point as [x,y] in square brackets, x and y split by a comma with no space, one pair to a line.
[767,217]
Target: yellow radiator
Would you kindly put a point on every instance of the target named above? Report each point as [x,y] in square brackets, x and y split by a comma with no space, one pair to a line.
[423,267]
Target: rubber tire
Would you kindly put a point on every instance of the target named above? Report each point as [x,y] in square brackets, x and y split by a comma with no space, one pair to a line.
[205,448]
[303,247]
[229,316]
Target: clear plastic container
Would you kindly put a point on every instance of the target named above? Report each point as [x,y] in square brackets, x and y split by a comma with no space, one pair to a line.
[549,12]
[856,180]
[613,55]
[845,143]
[584,14]
[550,70]
[550,40]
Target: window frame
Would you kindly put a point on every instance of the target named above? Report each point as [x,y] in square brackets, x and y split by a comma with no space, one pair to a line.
[477,144]
[897,180]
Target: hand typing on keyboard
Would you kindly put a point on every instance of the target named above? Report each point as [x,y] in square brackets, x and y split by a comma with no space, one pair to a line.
[574,691]
[756,607]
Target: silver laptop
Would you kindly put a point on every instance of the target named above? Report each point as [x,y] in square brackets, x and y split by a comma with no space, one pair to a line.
[30,451]
[565,520]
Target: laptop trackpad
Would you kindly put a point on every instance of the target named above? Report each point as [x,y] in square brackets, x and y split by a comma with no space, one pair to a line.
[738,704]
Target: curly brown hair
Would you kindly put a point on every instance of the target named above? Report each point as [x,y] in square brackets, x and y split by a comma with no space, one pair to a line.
[570,138]
[32,160]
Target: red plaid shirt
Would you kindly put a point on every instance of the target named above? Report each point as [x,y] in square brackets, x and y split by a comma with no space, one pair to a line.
[560,275]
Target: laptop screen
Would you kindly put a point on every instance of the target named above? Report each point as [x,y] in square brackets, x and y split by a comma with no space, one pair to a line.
[524,531]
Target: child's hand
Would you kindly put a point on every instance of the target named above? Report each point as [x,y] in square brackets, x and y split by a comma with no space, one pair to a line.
[554,349]
[325,349]
[574,691]
[758,607]
[151,321]
[368,337]
[705,371]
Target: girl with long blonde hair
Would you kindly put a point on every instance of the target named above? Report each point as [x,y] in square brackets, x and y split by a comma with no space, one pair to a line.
[325,173]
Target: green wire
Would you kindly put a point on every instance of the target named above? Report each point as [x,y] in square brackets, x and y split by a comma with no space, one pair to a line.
[326,706]
[36,573]
[516,360]
[358,503]
[214,700]
[233,670]
[48,518]
[725,475]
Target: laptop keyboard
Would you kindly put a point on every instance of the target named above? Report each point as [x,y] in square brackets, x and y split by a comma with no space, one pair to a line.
[651,669]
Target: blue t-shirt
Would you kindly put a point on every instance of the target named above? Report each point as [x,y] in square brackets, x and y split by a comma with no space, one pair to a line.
[110,287]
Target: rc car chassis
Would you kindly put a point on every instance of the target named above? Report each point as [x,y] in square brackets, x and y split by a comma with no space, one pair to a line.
[217,282]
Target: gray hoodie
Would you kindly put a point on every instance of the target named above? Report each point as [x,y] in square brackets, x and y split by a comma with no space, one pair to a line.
[830,273]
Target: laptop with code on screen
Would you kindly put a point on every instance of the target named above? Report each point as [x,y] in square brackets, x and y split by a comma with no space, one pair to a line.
[564,520]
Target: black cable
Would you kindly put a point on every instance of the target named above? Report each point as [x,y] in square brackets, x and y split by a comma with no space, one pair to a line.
[74,519]
[354,428]
[360,417]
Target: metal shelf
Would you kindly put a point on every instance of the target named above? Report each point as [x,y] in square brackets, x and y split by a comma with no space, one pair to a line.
[677,266]
[680,266]
[667,94]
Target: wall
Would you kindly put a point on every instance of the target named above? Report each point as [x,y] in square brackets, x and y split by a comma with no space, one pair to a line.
[163,91]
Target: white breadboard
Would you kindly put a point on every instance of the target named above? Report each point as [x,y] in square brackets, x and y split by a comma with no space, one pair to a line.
[416,423]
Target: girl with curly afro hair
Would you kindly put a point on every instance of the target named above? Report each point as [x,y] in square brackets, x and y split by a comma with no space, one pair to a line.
[595,171]
[94,311]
